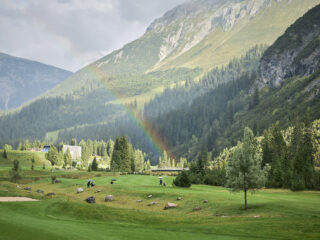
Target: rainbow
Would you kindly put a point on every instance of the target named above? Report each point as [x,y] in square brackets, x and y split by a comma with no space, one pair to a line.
[153,139]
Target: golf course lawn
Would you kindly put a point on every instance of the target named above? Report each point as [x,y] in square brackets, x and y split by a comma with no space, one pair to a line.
[272,214]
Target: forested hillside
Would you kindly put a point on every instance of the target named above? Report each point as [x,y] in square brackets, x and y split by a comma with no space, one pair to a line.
[22,80]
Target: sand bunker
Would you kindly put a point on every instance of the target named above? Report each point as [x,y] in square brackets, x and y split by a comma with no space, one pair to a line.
[17,199]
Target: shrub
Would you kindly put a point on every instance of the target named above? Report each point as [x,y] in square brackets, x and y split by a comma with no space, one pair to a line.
[182,180]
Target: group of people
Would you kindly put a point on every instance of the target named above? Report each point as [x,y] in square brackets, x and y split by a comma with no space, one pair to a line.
[90,183]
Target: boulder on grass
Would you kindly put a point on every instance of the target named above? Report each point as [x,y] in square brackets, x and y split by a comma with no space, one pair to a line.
[196,209]
[170,205]
[91,199]
[205,201]
[109,198]
[139,201]
[40,191]
[27,188]
[99,190]
[179,198]
[50,194]
[150,196]
[80,190]
[152,203]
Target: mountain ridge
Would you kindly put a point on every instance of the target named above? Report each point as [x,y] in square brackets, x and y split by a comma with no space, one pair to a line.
[22,80]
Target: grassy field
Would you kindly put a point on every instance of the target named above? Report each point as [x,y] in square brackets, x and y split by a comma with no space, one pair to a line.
[272,214]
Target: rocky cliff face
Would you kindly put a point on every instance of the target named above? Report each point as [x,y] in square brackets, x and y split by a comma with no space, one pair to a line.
[295,53]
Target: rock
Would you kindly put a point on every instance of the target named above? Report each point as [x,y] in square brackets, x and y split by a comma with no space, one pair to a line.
[256,216]
[205,201]
[170,205]
[179,198]
[218,215]
[18,186]
[40,191]
[27,188]
[50,194]
[57,181]
[152,203]
[99,190]
[196,209]
[109,198]
[79,190]
[91,199]
[139,201]
[150,196]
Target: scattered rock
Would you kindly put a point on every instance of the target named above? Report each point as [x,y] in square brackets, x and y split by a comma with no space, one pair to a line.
[256,216]
[40,191]
[27,188]
[152,203]
[139,201]
[91,199]
[109,198]
[179,198]
[99,190]
[150,196]
[18,186]
[196,209]
[205,201]
[80,190]
[170,205]
[50,194]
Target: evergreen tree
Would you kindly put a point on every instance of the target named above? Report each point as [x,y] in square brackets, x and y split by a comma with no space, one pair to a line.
[244,170]
[15,172]
[67,158]
[116,155]
[94,165]
[5,155]
[52,155]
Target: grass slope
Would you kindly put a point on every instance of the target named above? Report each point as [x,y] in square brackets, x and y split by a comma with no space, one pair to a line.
[282,214]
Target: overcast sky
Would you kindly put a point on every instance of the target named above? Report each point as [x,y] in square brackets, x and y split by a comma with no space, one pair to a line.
[72,33]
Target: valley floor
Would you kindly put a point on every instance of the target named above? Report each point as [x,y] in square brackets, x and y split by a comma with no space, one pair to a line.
[272,214]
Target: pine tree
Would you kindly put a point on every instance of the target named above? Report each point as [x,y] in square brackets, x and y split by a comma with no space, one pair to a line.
[5,155]
[94,165]
[67,158]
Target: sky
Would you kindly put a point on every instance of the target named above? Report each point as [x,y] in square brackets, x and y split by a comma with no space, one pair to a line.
[73,33]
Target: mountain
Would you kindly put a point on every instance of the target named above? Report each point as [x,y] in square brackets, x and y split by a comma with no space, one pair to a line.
[297,52]
[22,80]
[186,42]
[85,104]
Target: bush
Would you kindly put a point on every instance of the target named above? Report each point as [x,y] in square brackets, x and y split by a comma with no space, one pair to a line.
[182,180]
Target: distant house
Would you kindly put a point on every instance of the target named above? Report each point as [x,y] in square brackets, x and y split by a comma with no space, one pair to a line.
[46,149]
[75,151]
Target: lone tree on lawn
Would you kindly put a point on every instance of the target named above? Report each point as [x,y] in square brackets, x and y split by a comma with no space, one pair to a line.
[244,170]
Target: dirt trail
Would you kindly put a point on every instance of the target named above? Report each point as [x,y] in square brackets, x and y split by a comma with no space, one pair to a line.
[17,199]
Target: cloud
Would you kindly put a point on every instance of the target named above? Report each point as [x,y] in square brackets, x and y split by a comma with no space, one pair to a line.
[72,33]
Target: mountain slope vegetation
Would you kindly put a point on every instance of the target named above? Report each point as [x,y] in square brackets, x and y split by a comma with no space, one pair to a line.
[22,80]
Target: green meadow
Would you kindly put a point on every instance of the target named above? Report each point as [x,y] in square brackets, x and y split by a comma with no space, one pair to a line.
[272,214]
